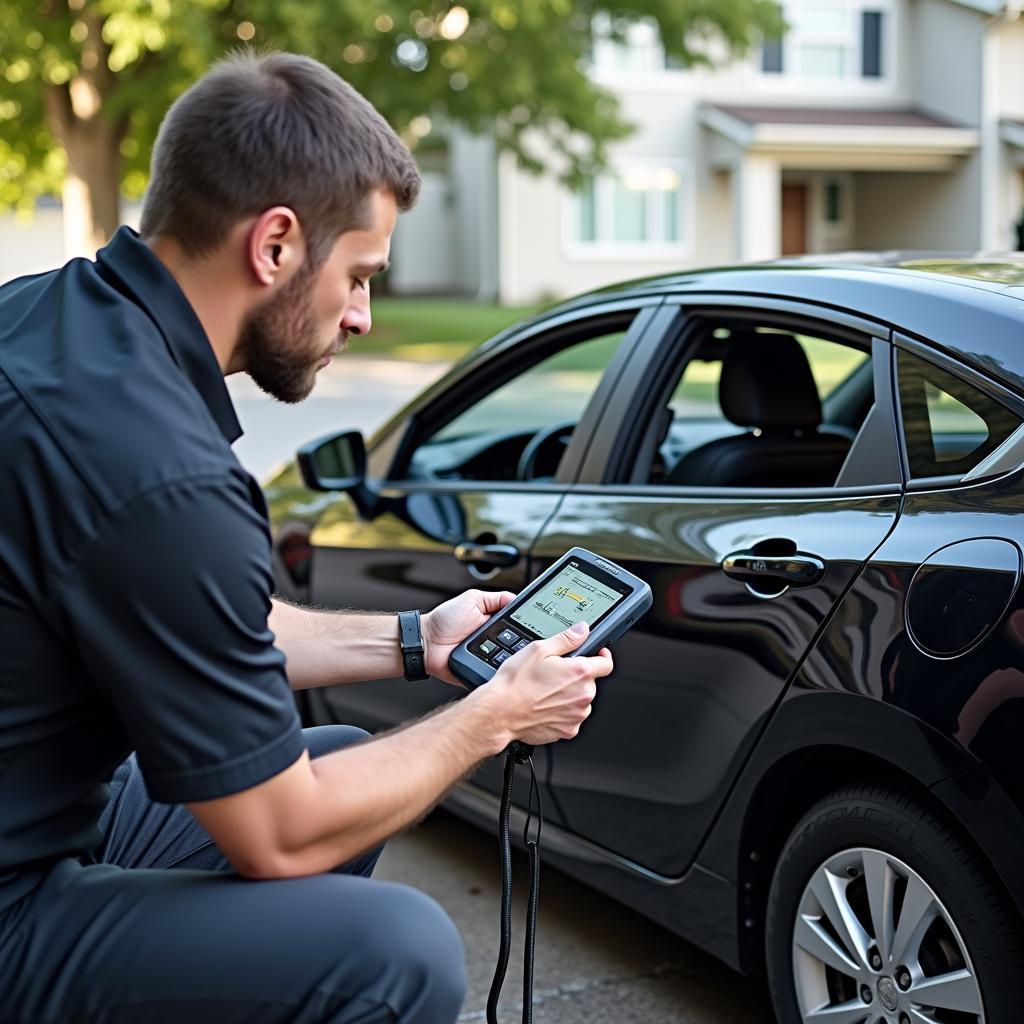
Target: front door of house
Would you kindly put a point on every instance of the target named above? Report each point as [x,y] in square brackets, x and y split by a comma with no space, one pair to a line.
[794,219]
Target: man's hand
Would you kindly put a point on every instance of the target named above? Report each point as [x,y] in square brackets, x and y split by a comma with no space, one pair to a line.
[542,696]
[450,623]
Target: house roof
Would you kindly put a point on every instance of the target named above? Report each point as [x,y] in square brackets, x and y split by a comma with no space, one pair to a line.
[844,138]
[906,118]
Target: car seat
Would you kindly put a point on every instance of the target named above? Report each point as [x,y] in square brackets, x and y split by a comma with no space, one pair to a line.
[766,384]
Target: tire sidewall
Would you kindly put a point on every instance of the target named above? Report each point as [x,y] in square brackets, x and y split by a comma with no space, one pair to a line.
[845,822]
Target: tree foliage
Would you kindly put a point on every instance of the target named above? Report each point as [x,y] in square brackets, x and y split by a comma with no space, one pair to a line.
[84,83]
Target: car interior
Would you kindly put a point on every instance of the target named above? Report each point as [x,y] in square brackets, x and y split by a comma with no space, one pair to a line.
[762,407]
[753,405]
[520,427]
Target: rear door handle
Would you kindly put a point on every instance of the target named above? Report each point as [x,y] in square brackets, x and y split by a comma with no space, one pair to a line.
[493,556]
[798,570]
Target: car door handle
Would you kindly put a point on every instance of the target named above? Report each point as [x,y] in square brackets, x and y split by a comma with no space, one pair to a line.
[798,570]
[496,556]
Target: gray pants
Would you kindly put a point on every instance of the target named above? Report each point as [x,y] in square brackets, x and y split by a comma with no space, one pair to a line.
[161,931]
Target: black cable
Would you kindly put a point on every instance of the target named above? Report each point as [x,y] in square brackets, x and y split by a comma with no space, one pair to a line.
[505,846]
[533,849]
[518,753]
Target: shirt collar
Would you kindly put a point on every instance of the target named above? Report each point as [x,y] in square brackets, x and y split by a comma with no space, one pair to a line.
[150,284]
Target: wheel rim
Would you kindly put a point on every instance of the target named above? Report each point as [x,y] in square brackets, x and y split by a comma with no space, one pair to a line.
[873,944]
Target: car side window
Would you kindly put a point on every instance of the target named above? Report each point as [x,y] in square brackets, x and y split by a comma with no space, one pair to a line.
[949,426]
[520,429]
[760,406]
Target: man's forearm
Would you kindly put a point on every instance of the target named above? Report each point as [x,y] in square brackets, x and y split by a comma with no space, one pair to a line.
[324,648]
[318,814]
[376,789]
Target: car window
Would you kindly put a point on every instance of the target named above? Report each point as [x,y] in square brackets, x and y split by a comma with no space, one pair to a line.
[488,439]
[949,425]
[555,390]
[716,440]
[696,394]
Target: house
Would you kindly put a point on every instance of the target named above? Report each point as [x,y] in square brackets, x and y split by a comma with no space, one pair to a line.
[873,124]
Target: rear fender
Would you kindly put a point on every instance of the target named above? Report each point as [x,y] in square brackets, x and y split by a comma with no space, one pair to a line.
[818,741]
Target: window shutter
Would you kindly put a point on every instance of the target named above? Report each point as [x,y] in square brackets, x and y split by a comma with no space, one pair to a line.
[871,44]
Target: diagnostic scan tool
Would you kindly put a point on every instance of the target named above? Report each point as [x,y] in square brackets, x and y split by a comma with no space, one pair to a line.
[579,587]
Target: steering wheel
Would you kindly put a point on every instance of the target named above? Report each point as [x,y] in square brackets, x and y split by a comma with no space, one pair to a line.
[547,445]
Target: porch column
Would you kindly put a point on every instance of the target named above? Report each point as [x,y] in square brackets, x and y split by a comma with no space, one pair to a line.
[757,201]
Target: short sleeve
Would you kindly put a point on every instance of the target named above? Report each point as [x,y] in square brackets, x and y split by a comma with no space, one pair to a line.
[168,608]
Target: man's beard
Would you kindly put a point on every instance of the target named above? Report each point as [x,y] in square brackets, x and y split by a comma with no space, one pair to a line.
[280,343]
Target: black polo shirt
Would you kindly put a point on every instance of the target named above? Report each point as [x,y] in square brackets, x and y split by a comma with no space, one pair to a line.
[135,574]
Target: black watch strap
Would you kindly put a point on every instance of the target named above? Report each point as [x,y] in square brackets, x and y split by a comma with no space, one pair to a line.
[410,637]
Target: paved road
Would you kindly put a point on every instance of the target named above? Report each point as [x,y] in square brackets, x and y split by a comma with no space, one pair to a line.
[598,962]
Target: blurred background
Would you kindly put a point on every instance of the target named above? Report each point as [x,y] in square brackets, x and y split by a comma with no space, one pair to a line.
[564,146]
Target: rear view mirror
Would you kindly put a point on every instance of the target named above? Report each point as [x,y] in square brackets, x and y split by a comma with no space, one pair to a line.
[334,463]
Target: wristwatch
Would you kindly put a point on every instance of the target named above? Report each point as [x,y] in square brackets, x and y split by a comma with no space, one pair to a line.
[410,637]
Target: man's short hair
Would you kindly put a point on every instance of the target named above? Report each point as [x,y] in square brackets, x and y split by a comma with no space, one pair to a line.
[272,129]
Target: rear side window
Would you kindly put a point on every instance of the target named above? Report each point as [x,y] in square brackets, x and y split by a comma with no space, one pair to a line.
[949,425]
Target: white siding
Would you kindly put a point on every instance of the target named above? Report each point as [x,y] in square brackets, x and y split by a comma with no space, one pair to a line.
[424,241]
[1011,70]
[37,244]
[915,211]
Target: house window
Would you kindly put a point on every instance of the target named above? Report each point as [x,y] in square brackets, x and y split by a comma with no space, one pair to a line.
[634,49]
[833,202]
[641,208]
[771,56]
[587,211]
[827,40]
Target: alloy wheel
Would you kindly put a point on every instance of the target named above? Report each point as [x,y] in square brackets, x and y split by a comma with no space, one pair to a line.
[874,944]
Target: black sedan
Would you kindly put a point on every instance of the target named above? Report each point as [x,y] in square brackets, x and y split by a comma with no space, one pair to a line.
[807,758]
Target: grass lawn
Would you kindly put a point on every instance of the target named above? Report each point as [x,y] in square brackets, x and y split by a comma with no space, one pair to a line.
[433,329]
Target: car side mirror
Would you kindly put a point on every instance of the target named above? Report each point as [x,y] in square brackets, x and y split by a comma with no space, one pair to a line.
[337,463]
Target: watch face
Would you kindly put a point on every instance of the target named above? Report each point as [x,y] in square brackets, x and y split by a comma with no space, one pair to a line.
[410,636]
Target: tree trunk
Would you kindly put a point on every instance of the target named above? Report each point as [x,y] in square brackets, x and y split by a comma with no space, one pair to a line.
[91,194]
[92,185]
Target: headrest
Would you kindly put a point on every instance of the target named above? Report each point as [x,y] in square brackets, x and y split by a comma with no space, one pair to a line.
[767,382]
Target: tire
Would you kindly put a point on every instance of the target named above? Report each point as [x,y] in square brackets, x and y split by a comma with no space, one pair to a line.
[827,947]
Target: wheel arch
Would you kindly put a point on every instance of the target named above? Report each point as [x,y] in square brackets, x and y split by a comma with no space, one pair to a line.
[774,813]
[813,746]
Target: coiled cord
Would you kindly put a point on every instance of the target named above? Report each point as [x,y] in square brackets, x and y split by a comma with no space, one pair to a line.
[517,753]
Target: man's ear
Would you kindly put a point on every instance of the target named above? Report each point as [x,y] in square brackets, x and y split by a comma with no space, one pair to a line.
[276,247]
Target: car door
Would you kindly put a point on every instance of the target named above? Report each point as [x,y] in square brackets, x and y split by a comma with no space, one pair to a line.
[743,577]
[464,495]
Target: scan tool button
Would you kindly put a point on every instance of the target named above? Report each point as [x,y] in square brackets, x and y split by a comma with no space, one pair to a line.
[488,647]
[507,637]
[519,646]
[500,657]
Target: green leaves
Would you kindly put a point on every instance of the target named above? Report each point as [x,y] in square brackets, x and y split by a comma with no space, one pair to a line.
[517,68]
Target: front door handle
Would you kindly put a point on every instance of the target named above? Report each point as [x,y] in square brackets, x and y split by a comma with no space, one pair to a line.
[491,556]
[797,570]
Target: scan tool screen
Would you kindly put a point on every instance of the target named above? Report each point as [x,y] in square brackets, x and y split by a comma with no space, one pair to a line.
[571,596]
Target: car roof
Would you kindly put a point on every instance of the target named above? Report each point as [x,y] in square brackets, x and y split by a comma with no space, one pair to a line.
[969,307]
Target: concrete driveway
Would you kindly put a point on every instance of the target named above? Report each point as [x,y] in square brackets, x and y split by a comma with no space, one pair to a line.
[353,392]
[597,961]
